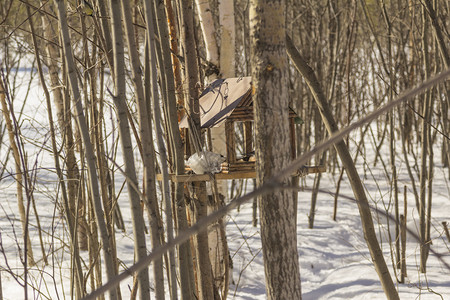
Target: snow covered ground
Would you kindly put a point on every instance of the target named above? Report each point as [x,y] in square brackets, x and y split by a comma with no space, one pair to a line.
[334,260]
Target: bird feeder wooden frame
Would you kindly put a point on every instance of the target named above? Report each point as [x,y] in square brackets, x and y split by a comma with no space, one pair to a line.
[226,102]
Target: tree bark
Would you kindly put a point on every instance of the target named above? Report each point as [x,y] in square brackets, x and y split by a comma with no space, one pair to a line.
[64,122]
[425,151]
[156,111]
[228,38]
[208,31]
[271,98]
[89,151]
[19,178]
[140,247]
[218,246]
[204,274]
[187,280]
[150,198]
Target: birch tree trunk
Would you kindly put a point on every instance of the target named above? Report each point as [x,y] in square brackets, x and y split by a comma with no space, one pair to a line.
[271,98]
[228,38]
[204,274]
[208,32]
[216,233]
[64,120]
[140,247]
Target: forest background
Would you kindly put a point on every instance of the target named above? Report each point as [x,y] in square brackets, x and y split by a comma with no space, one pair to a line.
[114,80]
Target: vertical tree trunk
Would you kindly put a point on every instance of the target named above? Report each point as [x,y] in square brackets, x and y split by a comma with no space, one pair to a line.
[187,280]
[392,152]
[217,238]
[208,31]
[151,44]
[425,149]
[228,38]
[105,29]
[64,121]
[19,178]
[148,150]
[89,151]
[140,247]
[227,69]
[277,214]
[204,275]
[176,64]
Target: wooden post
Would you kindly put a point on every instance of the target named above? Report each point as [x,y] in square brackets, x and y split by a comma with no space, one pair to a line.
[248,137]
[230,140]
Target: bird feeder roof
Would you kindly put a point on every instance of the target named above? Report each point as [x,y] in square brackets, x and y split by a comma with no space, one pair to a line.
[220,99]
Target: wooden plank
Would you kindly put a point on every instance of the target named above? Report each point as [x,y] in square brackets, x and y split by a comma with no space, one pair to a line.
[246,99]
[248,137]
[246,114]
[235,175]
[230,140]
[206,177]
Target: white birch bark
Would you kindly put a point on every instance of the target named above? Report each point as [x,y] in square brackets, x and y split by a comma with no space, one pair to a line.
[228,38]
[208,31]
[227,68]
[217,237]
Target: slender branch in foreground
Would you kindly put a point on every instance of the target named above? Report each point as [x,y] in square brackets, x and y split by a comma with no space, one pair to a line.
[272,184]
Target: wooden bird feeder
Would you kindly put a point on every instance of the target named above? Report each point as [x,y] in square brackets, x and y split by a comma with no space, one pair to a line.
[230,101]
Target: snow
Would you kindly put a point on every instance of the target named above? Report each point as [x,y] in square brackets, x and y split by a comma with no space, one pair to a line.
[334,260]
